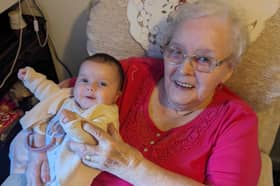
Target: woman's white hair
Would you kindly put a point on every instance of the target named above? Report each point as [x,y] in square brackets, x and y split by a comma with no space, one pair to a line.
[202,8]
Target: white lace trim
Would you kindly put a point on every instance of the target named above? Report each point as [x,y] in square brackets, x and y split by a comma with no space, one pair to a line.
[147,19]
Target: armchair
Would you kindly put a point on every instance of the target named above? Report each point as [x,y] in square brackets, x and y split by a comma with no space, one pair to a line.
[257,80]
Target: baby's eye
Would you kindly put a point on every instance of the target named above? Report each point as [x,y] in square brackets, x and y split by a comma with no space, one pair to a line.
[83,80]
[103,84]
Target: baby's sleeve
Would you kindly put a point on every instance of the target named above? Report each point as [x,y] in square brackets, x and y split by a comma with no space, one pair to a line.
[38,84]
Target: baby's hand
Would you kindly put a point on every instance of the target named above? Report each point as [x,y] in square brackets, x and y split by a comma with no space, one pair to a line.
[67,116]
[21,73]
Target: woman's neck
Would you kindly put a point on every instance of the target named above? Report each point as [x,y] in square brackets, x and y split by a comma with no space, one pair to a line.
[166,116]
[179,109]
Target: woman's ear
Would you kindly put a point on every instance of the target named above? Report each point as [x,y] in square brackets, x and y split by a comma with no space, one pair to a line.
[228,74]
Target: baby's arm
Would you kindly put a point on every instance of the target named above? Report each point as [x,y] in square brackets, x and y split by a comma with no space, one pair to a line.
[37,83]
[72,125]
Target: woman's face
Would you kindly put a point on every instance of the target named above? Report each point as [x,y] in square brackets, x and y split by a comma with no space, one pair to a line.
[209,37]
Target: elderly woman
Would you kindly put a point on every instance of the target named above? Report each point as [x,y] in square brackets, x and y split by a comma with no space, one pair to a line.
[179,124]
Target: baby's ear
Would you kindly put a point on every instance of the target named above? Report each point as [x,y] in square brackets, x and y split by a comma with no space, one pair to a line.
[118,94]
[72,91]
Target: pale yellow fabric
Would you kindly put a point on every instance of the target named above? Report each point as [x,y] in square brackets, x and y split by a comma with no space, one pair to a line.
[46,90]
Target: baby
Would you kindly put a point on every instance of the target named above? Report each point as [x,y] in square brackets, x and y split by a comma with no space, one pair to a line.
[59,115]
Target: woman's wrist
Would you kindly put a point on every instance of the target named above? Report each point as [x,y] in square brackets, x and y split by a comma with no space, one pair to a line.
[126,163]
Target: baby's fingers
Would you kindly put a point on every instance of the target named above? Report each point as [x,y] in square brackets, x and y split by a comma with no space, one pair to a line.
[21,74]
[67,116]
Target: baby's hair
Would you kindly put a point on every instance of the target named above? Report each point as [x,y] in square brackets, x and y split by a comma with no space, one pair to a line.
[108,59]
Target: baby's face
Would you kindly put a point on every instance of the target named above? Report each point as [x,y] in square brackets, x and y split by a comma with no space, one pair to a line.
[97,83]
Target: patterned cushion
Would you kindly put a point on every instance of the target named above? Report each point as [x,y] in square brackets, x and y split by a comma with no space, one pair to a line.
[108,30]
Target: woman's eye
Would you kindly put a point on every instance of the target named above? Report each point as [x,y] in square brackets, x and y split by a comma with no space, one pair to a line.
[203,60]
[176,51]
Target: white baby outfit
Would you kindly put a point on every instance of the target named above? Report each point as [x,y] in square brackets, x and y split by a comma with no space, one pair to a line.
[65,166]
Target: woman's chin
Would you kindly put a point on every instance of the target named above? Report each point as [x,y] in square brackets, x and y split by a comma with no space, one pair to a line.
[181,102]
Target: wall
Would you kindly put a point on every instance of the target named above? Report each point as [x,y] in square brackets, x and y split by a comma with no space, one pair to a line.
[67,28]
[4,4]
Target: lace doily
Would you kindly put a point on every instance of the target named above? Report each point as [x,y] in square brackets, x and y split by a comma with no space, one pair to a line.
[148,19]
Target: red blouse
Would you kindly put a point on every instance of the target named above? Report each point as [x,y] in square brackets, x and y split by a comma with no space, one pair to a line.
[219,147]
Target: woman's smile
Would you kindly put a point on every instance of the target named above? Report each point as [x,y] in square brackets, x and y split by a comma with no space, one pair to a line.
[183,84]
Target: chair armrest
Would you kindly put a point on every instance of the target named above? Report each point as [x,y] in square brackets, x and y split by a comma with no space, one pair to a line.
[266,178]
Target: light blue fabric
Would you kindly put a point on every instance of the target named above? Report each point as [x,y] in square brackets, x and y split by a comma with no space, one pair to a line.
[15,180]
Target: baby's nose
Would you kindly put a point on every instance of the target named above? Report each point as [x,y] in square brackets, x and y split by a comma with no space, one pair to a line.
[91,89]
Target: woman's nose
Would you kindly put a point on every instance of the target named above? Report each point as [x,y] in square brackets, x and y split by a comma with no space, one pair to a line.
[186,67]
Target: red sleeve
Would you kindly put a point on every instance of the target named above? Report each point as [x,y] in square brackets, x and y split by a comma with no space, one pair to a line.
[72,81]
[235,159]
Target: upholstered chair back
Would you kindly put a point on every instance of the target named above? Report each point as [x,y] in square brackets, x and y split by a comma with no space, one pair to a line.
[257,80]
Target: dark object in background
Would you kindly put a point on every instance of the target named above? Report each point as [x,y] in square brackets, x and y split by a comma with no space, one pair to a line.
[31,55]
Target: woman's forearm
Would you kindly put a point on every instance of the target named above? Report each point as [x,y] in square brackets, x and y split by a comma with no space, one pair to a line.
[146,173]
[113,155]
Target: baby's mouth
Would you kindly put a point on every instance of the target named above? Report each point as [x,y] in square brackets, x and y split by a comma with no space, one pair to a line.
[183,84]
[90,97]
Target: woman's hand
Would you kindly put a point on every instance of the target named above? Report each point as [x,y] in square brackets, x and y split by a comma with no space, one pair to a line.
[67,116]
[113,155]
[110,154]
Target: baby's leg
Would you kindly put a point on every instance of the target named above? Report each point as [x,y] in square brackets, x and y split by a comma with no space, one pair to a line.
[15,180]
[19,156]
[18,153]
